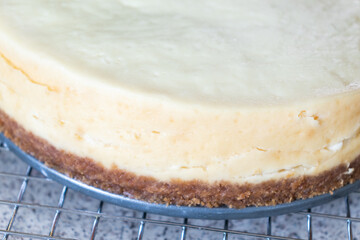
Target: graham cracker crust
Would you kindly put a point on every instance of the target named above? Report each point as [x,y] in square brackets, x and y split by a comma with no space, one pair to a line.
[178,192]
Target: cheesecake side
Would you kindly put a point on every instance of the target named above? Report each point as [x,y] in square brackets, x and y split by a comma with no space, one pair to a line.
[297,155]
[177,191]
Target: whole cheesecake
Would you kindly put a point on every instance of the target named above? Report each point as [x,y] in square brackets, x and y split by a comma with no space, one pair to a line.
[215,103]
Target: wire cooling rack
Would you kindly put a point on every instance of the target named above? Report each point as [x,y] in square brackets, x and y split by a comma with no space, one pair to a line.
[35,207]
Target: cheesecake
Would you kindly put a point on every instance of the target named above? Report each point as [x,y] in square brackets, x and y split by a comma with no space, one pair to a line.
[198,103]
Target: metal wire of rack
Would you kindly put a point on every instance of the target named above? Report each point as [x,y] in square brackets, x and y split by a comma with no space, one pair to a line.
[104,220]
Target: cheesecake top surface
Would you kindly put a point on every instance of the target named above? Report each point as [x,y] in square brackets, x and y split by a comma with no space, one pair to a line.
[218,52]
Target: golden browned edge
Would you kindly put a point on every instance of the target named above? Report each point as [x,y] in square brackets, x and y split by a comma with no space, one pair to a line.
[177,191]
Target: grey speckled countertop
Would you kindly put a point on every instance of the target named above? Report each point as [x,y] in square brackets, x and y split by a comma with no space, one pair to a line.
[41,197]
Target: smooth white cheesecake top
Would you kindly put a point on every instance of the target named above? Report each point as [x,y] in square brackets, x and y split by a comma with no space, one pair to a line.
[225,52]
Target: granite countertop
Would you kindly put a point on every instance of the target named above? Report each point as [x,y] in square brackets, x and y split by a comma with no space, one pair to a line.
[33,218]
